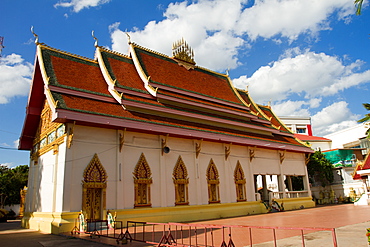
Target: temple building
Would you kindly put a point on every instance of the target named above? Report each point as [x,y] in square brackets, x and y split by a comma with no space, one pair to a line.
[151,137]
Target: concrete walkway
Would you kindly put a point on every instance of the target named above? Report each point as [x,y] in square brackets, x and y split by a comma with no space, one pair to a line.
[349,221]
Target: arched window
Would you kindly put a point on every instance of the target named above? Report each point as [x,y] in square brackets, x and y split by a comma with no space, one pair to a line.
[239,183]
[94,189]
[142,180]
[181,181]
[213,183]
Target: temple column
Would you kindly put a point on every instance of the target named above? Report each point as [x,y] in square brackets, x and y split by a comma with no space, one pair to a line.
[281,186]
[265,194]
[289,183]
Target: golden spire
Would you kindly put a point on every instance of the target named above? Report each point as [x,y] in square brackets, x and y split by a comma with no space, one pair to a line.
[182,51]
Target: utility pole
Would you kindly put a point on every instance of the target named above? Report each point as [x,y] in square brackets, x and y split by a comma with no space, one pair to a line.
[1,45]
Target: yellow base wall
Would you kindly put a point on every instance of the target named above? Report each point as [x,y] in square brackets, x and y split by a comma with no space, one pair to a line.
[296,203]
[58,222]
[190,213]
[50,222]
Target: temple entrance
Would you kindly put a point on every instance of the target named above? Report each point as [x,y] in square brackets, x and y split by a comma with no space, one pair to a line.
[94,190]
[94,204]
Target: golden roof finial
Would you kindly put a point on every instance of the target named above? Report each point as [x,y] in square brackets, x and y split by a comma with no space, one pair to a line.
[95,38]
[182,51]
[35,35]
[128,37]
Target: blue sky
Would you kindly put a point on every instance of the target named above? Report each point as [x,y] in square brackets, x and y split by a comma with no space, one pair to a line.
[308,58]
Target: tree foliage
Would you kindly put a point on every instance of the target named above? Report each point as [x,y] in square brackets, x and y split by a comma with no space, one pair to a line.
[366,118]
[320,169]
[12,180]
[358,4]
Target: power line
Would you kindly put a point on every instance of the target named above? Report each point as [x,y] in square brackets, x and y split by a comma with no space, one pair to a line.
[9,148]
[9,132]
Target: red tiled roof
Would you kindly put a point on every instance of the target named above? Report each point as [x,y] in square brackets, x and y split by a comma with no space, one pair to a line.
[274,119]
[126,74]
[79,75]
[168,72]
[202,101]
[311,138]
[245,96]
[115,110]
[80,89]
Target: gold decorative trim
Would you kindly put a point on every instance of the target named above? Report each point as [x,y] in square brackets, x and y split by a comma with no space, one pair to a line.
[240,182]
[95,172]
[66,53]
[181,181]
[198,148]
[213,183]
[252,153]
[144,77]
[114,52]
[121,139]
[182,51]
[282,156]
[164,144]
[94,177]
[149,50]
[47,136]
[70,135]
[307,158]
[142,180]
[227,151]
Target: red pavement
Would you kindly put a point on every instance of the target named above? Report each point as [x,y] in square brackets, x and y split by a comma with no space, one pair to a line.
[326,217]
[334,216]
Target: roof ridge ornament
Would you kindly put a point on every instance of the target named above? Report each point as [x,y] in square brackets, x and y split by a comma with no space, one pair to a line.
[128,37]
[95,38]
[182,51]
[35,35]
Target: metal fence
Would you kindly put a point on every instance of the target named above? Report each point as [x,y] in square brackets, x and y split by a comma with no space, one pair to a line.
[179,234]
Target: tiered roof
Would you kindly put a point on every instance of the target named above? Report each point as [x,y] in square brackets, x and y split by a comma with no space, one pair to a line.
[149,92]
[362,169]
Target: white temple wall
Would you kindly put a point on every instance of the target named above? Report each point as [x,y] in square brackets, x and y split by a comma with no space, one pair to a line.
[241,154]
[58,177]
[294,164]
[266,162]
[30,196]
[45,180]
[86,142]
[120,165]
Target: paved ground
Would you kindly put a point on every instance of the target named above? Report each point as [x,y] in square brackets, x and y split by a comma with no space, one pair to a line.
[349,221]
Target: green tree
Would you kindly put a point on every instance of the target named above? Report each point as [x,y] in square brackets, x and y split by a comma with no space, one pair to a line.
[358,4]
[366,118]
[12,180]
[320,169]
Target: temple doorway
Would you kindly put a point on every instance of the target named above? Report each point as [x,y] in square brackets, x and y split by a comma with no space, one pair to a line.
[94,204]
[94,190]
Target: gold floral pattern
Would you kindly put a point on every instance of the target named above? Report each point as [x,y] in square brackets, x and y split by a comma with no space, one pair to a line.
[142,180]
[213,183]
[239,179]
[181,181]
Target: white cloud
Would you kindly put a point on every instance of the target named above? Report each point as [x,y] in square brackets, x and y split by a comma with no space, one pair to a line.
[78,5]
[16,143]
[15,77]
[290,18]
[218,29]
[291,108]
[306,74]
[333,118]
